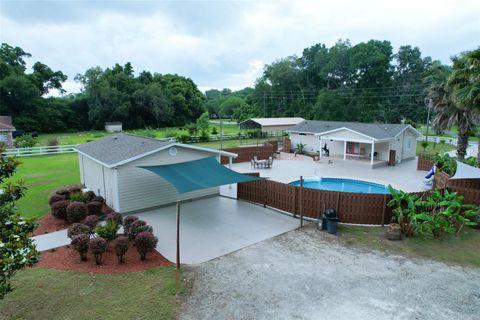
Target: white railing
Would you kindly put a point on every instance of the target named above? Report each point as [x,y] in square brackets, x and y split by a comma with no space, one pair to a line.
[448,140]
[38,151]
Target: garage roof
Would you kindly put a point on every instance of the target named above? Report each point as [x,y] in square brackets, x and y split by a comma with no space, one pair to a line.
[378,131]
[122,148]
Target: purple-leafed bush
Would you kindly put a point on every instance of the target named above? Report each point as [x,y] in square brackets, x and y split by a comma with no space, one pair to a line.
[74,189]
[127,222]
[63,192]
[91,221]
[98,246]
[80,243]
[78,228]
[59,209]
[134,228]
[115,217]
[98,199]
[95,208]
[76,211]
[55,198]
[121,247]
[145,242]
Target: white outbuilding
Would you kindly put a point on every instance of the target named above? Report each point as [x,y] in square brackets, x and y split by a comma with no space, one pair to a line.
[111,167]
[112,127]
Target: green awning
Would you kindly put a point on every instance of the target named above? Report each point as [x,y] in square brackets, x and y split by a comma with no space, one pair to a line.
[198,174]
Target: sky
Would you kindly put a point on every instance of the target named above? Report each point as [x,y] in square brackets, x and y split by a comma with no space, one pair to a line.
[224,44]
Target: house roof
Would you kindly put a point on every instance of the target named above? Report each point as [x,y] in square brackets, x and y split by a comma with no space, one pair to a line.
[465,171]
[377,131]
[6,123]
[268,122]
[115,123]
[123,148]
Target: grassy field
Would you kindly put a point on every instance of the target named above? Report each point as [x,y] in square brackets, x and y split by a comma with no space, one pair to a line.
[82,137]
[434,148]
[52,294]
[461,250]
[42,175]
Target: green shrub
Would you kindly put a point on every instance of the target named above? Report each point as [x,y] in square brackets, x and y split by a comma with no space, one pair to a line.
[214,130]
[52,142]
[121,247]
[404,204]
[127,223]
[25,141]
[108,231]
[90,195]
[98,246]
[76,211]
[59,209]
[95,208]
[76,229]
[55,198]
[424,145]
[91,221]
[204,137]
[78,197]
[183,138]
[300,148]
[80,243]
[145,243]
[446,163]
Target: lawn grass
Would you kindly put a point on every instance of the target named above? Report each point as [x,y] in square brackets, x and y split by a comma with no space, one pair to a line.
[42,175]
[461,249]
[52,294]
[434,148]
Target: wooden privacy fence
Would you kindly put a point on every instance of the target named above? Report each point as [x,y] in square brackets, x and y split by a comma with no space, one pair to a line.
[358,208]
[424,162]
[245,154]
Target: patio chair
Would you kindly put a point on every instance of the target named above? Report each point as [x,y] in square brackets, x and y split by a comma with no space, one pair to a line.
[253,164]
[270,162]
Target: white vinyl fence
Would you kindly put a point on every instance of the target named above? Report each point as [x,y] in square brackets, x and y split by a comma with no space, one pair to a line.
[38,151]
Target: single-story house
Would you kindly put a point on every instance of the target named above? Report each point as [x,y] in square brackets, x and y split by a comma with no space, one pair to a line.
[111,167]
[379,143]
[270,124]
[112,127]
[6,129]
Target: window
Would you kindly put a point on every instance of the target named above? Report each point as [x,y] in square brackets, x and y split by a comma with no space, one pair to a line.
[409,143]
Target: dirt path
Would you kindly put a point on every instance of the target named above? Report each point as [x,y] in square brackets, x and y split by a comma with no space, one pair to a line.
[305,274]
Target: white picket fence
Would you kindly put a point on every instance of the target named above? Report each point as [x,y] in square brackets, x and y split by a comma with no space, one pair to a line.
[39,151]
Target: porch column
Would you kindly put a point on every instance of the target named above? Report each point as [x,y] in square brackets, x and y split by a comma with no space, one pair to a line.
[373,151]
[230,162]
[345,150]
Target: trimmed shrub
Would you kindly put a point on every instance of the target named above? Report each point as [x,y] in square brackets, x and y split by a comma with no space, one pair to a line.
[78,228]
[98,246]
[55,198]
[145,242]
[74,189]
[108,231]
[91,221]
[78,197]
[76,211]
[95,208]
[134,228]
[115,217]
[127,222]
[90,195]
[121,247]
[80,243]
[59,209]
[98,199]
[63,192]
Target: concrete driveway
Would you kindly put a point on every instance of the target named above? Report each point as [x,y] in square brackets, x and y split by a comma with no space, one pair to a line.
[306,274]
[213,227]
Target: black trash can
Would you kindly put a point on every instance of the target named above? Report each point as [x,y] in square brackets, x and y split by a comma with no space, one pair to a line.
[332,225]
[328,213]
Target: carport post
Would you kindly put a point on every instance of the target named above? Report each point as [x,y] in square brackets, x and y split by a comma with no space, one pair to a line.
[177,267]
[301,202]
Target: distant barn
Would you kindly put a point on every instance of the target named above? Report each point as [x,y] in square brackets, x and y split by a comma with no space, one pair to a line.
[112,127]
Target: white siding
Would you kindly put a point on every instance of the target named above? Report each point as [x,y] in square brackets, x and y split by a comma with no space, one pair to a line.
[97,178]
[140,189]
[405,145]
[310,141]
[346,135]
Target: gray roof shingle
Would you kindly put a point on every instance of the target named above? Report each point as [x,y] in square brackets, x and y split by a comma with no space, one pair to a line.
[120,147]
[375,130]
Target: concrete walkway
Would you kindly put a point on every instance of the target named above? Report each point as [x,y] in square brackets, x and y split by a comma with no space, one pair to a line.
[51,240]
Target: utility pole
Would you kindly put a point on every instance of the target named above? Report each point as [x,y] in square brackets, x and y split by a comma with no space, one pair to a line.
[428,104]
[221,134]
[264,104]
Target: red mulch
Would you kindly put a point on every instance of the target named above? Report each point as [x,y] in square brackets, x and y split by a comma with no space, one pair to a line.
[49,223]
[66,258]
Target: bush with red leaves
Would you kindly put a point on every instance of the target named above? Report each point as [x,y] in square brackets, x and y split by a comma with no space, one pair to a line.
[95,208]
[145,243]
[98,246]
[55,198]
[91,221]
[76,211]
[121,247]
[78,228]
[59,209]
[80,243]
[127,222]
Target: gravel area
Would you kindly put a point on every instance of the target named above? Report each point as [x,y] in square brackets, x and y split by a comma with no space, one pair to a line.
[307,274]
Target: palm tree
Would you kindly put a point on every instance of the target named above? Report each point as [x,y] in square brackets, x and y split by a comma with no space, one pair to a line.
[465,84]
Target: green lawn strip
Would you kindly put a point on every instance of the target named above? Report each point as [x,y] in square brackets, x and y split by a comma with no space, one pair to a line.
[42,175]
[53,294]
[461,249]
[434,148]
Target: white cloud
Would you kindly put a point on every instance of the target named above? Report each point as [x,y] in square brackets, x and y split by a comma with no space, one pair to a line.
[232,54]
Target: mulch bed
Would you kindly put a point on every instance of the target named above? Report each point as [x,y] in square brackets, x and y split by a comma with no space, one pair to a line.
[66,258]
[49,223]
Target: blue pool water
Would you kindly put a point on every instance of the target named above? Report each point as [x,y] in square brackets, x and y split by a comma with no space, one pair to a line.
[343,185]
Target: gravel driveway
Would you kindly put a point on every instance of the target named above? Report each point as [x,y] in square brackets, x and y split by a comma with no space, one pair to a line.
[307,274]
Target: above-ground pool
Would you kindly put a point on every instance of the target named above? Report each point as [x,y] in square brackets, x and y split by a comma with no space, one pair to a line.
[342,185]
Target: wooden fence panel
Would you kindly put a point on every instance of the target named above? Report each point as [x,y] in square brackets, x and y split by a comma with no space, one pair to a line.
[280,196]
[424,162]
[468,188]
[245,154]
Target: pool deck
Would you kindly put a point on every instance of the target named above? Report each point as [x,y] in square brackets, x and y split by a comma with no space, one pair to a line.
[289,168]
